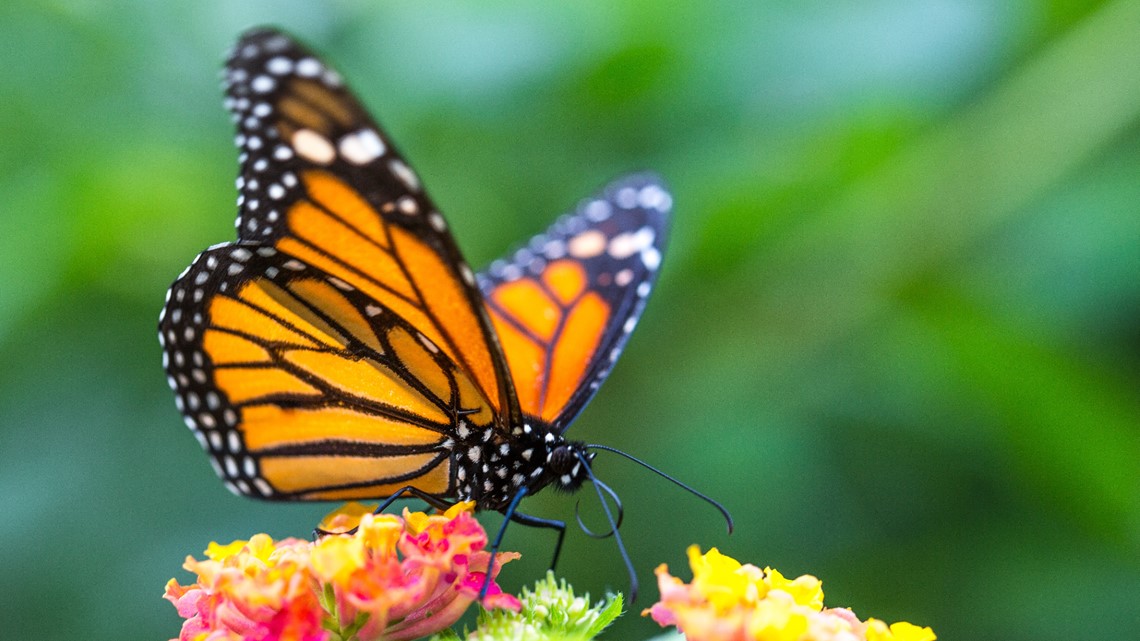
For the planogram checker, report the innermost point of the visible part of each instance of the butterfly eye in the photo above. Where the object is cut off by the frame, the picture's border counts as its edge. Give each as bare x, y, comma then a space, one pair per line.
562, 459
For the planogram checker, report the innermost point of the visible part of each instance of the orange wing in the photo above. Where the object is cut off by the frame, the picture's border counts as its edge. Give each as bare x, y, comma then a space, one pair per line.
302, 387
564, 305
320, 182
339, 347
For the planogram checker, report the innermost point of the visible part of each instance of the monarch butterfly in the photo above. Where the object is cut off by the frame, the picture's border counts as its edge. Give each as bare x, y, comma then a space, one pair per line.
342, 348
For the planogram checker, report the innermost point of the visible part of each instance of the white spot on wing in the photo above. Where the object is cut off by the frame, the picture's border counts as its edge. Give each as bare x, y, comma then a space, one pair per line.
340, 284
627, 244
361, 147
405, 174
428, 344
308, 68
279, 66
263, 84
554, 249
651, 257
626, 198
598, 210
313, 147
588, 244
262, 486
654, 197
407, 205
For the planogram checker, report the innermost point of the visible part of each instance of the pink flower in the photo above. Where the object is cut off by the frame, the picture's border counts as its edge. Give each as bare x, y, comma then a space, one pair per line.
393, 579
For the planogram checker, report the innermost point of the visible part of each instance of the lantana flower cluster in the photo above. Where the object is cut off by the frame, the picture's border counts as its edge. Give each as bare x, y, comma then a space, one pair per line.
393, 579
730, 601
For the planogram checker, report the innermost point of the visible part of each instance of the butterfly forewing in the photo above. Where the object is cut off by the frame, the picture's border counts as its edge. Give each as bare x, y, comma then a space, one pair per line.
564, 304
320, 182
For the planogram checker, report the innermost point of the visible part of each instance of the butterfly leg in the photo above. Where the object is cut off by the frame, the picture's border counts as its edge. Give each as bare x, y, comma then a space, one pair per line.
534, 521
430, 499
509, 514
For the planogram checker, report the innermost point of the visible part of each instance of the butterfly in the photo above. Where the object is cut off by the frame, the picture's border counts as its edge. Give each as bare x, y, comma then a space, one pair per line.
341, 348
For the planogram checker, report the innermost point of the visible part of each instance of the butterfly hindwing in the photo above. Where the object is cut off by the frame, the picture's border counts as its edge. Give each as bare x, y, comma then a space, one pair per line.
302, 387
321, 182
564, 305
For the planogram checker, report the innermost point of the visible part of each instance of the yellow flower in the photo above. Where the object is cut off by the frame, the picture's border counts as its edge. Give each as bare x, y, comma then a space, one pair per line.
723, 580
901, 631
345, 517
380, 533
806, 590
777, 618
259, 546
418, 522
730, 601
335, 558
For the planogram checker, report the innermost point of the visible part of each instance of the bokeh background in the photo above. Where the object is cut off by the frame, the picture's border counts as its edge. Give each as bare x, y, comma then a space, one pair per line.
896, 330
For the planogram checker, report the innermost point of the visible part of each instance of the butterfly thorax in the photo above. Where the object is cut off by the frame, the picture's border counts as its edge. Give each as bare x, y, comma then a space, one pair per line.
491, 472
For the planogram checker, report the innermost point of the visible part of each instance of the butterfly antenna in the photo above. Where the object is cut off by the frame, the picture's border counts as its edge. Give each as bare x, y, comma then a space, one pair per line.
705, 497
598, 485
620, 516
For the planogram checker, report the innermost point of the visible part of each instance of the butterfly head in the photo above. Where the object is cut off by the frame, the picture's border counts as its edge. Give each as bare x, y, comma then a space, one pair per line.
567, 464
549, 459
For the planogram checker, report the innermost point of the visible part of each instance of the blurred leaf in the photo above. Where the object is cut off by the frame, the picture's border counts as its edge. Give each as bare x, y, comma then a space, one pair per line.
35, 244
737, 220
1072, 426
634, 73
951, 188
130, 236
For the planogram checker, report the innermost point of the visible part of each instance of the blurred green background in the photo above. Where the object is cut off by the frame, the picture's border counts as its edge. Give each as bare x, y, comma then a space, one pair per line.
896, 331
